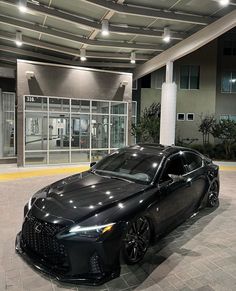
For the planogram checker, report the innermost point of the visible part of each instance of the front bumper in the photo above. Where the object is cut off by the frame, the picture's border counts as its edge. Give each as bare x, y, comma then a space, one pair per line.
75, 272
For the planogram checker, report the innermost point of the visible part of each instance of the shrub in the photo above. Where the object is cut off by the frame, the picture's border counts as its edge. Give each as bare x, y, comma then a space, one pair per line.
225, 130
148, 128
205, 127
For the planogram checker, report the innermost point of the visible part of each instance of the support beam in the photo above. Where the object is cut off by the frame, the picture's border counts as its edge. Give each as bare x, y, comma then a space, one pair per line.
168, 108
89, 24
20, 52
69, 51
188, 45
152, 12
78, 39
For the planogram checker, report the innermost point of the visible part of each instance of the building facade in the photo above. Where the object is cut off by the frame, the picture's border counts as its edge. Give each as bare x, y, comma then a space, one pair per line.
206, 85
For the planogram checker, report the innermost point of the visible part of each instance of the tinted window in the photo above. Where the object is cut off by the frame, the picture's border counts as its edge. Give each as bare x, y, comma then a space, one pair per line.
174, 166
134, 166
193, 161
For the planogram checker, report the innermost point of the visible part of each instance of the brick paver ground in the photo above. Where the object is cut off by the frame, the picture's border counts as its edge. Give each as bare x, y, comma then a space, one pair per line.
199, 255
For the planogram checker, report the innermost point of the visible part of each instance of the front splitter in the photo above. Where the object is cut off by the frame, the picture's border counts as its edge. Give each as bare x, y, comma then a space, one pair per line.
84, 279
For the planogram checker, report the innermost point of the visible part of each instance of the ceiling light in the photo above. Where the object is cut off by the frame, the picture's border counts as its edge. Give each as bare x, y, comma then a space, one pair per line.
105, 27
23, 5
83, 55
224, 2
133, 58
19, 38
166, 34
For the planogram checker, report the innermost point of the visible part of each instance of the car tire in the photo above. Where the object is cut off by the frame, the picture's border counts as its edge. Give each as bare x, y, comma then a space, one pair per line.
213, 195
136, 240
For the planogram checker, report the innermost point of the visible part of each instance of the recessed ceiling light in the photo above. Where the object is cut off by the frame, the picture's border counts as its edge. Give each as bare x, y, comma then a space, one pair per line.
166, 34
105, 27
19, 38
133, 58
224, 2
22, 5
83, 55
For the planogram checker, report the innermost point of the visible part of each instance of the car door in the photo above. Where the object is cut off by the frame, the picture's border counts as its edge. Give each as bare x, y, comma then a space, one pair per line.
196, 174
174, 202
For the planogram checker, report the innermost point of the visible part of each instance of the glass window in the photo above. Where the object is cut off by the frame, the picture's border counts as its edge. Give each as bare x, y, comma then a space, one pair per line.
225, 82
174, 166
36, 125
36, 103
36, 158
118, 108
158, 78
118, 131
184, 77
194, 77
59, 131
99, 131
228, 82
233, 82
100, 107
7, 124
97, 155
229, 48
189, 77
58, 157
80, 156
134, 108
59, 104
193, 161
80, 131
80, 106
130, 165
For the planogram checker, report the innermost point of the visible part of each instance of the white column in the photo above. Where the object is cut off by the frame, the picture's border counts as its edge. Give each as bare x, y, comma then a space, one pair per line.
168, 108
1, 125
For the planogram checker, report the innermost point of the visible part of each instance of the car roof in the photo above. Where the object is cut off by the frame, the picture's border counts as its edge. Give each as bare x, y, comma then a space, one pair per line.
158, 149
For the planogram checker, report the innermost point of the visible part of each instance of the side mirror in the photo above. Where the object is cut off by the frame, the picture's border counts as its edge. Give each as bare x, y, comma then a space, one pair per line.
92, 164
176, 178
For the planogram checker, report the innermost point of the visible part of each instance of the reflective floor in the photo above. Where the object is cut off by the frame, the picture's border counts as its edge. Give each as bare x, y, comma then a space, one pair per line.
198, 255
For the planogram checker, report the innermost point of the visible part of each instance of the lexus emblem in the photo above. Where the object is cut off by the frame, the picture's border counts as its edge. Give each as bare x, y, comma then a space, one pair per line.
38, 228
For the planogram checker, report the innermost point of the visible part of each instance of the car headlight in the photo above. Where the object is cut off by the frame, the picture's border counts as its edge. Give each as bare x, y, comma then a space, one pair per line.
91, 231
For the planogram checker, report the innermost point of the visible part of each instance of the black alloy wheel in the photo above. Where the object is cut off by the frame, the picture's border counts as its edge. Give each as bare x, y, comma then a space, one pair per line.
136, 241
213, 195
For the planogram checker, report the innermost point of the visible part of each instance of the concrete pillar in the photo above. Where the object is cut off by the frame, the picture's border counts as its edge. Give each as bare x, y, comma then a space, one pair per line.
1, 125
168, 108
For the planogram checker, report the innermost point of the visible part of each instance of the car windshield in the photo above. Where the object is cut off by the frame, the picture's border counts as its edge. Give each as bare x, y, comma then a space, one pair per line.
132, 166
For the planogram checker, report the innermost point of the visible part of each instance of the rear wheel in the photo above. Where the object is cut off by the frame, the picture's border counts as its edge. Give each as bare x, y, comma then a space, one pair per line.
136, 241
213, 195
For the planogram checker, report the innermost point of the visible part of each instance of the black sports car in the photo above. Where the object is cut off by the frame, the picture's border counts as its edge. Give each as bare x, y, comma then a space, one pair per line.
77, 228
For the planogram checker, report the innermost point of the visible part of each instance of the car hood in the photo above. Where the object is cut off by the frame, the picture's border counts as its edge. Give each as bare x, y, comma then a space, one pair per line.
80, 196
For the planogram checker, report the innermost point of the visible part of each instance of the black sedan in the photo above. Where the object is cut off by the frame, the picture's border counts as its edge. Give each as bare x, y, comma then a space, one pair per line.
78, 228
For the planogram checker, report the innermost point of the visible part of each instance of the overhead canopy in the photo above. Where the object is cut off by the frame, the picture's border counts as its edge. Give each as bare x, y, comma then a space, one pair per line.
56, 30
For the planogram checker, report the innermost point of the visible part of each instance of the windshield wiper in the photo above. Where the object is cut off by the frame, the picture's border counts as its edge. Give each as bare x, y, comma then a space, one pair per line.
107, 175
120, 178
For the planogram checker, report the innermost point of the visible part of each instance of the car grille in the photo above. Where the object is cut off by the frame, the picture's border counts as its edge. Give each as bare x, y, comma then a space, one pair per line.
39, 237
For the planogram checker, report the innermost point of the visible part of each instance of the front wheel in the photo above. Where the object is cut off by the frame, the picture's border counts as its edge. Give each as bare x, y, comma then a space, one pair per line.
136, 240
213, 195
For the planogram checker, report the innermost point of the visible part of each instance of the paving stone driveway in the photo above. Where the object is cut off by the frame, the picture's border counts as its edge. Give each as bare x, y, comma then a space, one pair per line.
198, 255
